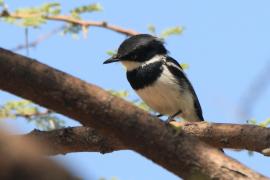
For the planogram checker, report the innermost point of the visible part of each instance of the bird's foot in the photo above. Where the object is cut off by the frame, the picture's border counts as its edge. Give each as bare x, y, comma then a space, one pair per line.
171, 118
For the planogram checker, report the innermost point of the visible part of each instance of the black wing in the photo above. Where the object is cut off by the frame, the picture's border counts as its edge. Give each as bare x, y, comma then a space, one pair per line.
173, 62
175, 68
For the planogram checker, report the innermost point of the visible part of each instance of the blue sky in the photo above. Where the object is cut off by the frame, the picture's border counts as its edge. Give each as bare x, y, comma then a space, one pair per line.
225, 43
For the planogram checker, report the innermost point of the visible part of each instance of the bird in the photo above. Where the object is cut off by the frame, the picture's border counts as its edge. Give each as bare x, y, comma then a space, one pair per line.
157, 78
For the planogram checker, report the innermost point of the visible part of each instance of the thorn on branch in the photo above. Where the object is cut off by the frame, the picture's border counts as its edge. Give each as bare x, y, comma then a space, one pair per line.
104, 147
104, 24
4, 13
35, 131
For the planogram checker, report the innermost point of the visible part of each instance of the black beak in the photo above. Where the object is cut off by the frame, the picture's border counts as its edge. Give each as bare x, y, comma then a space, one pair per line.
111, 60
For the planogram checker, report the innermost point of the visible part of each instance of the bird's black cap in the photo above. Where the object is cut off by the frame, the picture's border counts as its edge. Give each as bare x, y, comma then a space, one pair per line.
138, 48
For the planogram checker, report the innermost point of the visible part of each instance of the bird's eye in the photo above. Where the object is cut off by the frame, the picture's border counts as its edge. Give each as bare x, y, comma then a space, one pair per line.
131, 56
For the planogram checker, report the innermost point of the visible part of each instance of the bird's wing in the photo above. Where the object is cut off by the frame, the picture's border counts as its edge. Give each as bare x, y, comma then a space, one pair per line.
172, 62
175, 68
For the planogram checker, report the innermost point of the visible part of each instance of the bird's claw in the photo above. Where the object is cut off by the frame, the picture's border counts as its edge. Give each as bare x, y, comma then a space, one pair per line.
159, 115
170, 119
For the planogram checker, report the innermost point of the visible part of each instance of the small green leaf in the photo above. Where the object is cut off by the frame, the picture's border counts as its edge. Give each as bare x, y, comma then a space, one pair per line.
51, 8
265, 123
184, 66
111, 52
72, 29
43, 119
75, 15
55, 12
86, 9
29, 11
171, 31
33, 22
123, 93
10, 20
152, 29
252, 121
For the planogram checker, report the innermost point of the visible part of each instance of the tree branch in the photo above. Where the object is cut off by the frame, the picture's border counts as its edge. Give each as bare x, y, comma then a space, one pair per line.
86, 139
69, 19
75, 139
235, 136
176, 151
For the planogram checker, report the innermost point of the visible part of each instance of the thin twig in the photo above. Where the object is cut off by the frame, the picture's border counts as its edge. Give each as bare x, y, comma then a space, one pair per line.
256, 89
26, 41
35, 114
40, 39
69, 19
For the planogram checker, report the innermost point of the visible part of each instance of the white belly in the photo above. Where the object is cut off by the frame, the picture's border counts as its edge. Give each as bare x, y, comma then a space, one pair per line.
166, 97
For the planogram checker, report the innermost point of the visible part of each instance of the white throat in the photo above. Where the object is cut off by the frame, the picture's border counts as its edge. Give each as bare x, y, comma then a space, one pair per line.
131, 65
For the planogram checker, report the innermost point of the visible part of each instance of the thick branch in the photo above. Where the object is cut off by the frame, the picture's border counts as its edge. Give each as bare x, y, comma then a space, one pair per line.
75, 139
69, 19
86, 139
235, 136
174, 150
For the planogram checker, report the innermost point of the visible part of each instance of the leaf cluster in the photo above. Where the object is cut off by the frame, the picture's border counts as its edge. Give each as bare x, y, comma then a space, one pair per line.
76, 12
176, 30
264, 123
42, 118
36, 16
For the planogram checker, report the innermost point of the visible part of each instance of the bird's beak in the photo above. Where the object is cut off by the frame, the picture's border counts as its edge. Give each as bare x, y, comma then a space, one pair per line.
112, 60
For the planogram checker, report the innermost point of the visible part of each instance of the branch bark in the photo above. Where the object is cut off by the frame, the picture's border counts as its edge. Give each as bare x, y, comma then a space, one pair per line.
69, 19
75, 139
87, 139
176, 151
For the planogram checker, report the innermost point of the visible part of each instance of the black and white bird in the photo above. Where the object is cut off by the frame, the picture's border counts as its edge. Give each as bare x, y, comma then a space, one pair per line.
157, 78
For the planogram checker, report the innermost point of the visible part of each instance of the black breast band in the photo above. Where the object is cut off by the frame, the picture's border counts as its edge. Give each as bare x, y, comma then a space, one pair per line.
145, 75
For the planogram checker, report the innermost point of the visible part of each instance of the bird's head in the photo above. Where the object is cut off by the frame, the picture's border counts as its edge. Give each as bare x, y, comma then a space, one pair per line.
137, 50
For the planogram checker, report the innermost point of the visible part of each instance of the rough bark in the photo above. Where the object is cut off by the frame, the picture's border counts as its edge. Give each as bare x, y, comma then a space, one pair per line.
181, 154
86, 139
75, 139
235, 136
